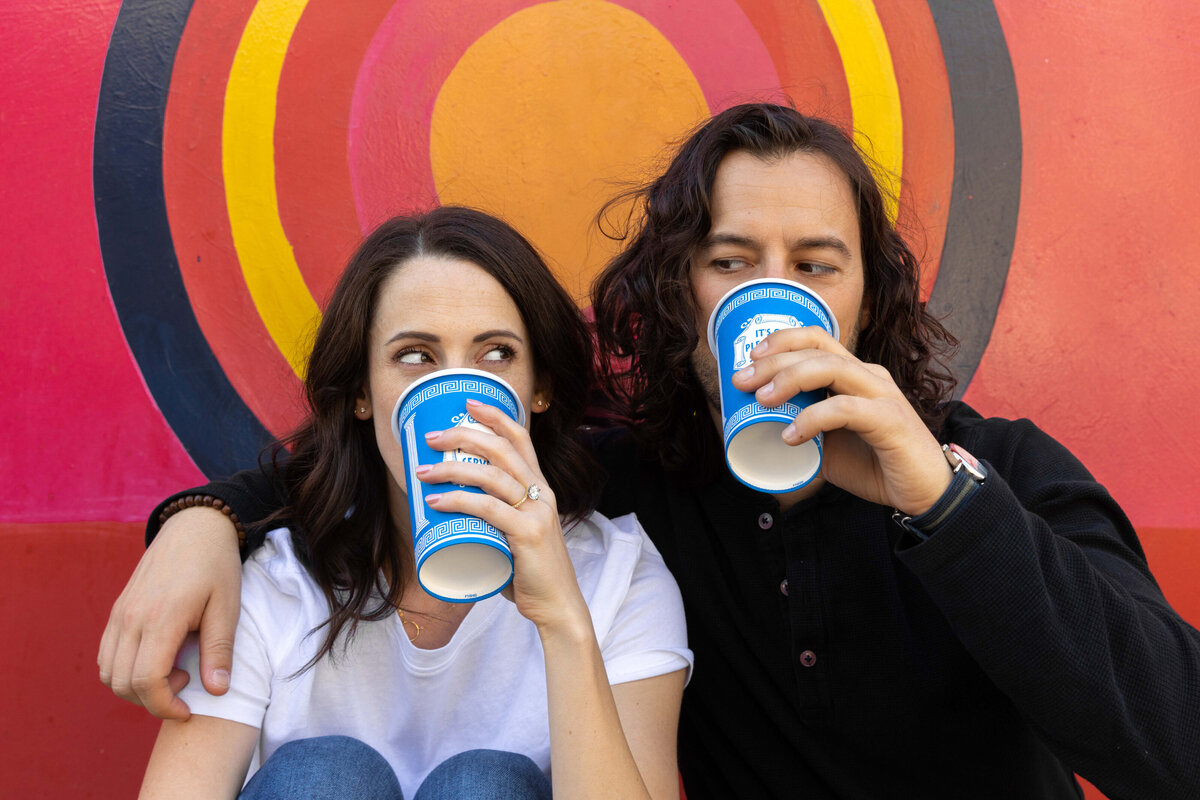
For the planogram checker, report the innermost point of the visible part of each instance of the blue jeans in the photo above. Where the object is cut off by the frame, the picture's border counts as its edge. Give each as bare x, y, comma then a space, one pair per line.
338, 767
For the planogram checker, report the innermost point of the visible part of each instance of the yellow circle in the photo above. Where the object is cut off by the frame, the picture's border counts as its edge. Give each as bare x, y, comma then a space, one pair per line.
552, 112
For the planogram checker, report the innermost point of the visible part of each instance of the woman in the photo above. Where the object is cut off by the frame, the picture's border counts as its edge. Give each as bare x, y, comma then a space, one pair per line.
348, 678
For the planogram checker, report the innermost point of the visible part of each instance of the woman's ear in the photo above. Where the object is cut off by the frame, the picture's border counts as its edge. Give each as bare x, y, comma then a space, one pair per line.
362, 404
542, 395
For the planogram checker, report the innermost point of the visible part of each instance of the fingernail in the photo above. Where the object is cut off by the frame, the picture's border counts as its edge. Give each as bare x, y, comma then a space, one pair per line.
433, 499
790, 431
766, 388
429, 437
747, 372
474, 403
421, 470
221, 678
760, 348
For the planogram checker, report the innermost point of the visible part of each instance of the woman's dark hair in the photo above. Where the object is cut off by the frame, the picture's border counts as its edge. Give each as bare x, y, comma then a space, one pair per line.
334, 466
645, 314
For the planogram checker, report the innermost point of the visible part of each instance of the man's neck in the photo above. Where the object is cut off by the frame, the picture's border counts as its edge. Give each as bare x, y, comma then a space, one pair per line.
786, 501
789, 499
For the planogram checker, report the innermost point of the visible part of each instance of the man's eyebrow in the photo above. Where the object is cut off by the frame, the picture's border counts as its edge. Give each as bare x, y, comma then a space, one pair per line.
735, 239
822, 243
803, 243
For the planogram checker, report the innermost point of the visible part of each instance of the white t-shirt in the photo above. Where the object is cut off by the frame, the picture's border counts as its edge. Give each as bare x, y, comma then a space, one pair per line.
486, 688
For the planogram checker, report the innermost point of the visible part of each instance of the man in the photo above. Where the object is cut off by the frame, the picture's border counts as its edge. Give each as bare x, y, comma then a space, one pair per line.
922, 621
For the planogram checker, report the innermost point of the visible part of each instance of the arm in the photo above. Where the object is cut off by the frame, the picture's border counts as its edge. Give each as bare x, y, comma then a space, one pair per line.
1043, 580
592, 754
1039, 573
607, 741
188, 579
203, 757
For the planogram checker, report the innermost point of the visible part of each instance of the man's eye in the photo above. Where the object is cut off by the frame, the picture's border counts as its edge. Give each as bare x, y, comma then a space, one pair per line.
729, 264
812, 268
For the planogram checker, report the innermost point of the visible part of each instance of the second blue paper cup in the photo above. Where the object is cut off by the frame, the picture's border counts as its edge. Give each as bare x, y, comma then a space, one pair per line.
754, 451
459, 558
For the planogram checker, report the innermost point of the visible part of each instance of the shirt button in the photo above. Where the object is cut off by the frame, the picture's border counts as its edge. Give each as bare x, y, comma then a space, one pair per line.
808, 658
765, 521
783, 587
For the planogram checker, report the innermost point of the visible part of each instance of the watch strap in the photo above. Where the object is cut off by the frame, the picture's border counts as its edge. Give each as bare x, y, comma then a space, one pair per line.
969, 474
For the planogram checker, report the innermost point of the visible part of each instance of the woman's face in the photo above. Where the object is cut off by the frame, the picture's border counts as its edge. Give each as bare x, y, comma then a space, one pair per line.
433, 313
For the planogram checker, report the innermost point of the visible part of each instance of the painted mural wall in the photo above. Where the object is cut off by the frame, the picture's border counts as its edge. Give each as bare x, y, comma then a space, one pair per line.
181, 182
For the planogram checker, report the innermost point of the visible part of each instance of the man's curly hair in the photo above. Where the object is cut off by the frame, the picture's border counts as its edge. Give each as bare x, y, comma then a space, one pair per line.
643, 303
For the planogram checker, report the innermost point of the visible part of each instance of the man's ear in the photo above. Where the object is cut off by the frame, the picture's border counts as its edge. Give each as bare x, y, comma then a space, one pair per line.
864, 315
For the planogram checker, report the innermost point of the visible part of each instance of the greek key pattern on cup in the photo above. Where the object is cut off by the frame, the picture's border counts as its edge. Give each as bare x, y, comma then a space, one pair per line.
459, 385
774, 293
454, 527
410, 444
753, 410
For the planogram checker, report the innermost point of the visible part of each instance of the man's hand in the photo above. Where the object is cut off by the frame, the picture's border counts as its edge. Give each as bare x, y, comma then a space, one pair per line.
189, 579
876, 445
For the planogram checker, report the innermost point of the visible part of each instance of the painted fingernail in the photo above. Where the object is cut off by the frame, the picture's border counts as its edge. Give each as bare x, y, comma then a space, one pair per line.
429, 437
433, 499
421, 470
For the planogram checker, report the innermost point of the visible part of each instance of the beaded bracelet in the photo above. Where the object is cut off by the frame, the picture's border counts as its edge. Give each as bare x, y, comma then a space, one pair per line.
191, 500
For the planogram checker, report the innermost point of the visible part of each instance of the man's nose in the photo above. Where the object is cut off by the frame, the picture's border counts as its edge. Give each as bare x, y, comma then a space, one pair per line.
776, 267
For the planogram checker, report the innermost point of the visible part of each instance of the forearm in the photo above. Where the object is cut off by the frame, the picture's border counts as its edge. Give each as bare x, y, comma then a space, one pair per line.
248, 498
1055, 604
204, 757
589, 754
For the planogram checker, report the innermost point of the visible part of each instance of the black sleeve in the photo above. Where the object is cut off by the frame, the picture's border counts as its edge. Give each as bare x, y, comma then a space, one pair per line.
1042, 578
253, 494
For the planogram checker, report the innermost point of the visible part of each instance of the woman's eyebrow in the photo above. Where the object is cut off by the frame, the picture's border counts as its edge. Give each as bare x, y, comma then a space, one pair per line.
422, 335
498, 332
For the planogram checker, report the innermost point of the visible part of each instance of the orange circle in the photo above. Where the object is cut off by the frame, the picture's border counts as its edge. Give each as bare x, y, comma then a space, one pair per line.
546, 115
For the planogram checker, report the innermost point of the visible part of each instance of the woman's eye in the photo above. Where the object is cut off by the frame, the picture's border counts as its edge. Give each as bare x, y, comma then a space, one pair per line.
412, 357
498, 353
729, 264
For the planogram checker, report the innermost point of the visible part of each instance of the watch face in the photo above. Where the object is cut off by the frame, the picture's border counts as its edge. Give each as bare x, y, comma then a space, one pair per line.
961, 459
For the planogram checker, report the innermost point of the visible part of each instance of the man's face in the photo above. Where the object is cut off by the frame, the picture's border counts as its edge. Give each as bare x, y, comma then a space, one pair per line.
792, 218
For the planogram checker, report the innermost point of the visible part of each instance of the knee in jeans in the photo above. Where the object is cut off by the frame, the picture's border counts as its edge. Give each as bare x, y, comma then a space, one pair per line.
324, 767
486, 773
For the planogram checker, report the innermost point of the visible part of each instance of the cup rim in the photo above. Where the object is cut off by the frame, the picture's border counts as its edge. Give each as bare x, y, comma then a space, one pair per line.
441, 373
712, 317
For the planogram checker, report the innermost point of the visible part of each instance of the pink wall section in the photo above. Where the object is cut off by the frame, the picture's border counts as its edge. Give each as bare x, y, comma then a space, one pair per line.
1094, 339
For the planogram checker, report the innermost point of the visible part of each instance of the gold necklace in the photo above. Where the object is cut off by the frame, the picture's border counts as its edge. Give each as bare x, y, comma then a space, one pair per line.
404, 621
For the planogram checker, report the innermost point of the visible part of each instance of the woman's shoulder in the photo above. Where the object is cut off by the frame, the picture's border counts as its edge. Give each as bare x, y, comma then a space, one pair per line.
274, 574
607, 550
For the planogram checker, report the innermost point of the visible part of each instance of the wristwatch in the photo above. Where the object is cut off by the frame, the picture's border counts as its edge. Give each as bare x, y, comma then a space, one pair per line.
969, 475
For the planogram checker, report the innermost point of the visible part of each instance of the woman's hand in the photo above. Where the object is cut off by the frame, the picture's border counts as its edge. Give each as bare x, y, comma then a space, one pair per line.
544, 585
876, 445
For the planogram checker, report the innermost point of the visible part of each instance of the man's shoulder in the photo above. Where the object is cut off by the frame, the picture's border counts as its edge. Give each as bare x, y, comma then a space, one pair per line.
1009, 445
629, 473
609, 444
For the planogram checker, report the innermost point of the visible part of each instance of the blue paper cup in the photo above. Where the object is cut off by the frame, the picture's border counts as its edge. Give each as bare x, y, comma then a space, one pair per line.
754, 451
459, 558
